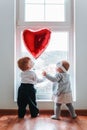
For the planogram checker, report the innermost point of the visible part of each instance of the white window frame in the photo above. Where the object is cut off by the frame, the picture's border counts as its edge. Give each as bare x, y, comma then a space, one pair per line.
20, 15
68, 25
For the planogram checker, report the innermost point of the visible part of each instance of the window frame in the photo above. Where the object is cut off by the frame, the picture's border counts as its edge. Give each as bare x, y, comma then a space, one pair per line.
20, 15
53, 26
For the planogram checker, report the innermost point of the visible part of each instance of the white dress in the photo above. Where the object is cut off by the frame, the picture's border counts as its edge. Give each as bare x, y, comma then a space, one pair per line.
63, 98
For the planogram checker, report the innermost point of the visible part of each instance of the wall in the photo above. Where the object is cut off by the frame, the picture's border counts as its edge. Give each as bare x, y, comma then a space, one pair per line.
7, 33
6, 53
81, 53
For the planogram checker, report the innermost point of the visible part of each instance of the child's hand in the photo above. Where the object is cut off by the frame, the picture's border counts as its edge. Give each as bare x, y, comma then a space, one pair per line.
44, 73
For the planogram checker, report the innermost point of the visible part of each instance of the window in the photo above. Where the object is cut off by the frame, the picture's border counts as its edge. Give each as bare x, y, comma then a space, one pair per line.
56, 15
42, 9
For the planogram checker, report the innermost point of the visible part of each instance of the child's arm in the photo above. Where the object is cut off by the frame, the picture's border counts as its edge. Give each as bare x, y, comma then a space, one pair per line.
40, 80
49, 77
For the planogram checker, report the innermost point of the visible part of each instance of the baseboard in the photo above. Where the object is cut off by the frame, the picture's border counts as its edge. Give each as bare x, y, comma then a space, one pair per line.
82, 112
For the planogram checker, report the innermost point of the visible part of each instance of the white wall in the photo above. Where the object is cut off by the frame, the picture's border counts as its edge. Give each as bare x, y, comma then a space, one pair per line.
81, 53
7, 56
6, 53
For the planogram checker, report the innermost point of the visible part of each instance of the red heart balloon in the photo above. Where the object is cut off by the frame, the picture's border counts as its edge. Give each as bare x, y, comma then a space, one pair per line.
36, 41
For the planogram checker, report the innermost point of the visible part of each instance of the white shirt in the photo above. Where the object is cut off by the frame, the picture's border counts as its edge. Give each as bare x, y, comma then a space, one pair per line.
30, 77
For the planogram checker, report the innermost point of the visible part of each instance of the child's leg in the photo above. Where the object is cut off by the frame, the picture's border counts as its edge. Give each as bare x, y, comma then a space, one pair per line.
21, 111
71, 110
32, 103
33, 107
57, 110
21, 102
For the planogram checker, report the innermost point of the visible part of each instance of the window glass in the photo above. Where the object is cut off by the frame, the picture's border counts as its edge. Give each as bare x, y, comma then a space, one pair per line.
55, 15
58, 16
34, 1
44, 10
45, 1
55, 1
34, 12
57, 50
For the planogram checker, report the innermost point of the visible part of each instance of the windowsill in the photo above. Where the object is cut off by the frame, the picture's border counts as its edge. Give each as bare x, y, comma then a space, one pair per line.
38, 101
44, 100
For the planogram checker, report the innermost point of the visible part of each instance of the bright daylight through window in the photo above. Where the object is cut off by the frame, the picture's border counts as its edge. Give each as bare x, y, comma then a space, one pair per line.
57, 16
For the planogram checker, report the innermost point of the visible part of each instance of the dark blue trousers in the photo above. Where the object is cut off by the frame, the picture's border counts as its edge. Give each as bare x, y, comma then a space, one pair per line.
27, 96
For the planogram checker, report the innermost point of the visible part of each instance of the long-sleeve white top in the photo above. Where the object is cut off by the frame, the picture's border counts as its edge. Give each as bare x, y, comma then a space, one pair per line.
29, 76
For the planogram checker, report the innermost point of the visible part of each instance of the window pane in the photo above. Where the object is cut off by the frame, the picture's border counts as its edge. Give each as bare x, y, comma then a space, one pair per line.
55, 1
58, 42
47, 11
55, 13
45, 1
34, 1
34, 12
56, 51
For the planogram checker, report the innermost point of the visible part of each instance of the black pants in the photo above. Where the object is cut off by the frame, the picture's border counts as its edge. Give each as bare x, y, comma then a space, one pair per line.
27, 96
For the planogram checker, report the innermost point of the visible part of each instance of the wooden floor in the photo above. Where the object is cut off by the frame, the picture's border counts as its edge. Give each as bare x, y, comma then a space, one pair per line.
43, 122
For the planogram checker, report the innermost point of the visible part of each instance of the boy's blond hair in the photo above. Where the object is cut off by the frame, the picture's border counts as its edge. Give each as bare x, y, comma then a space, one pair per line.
23, 63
